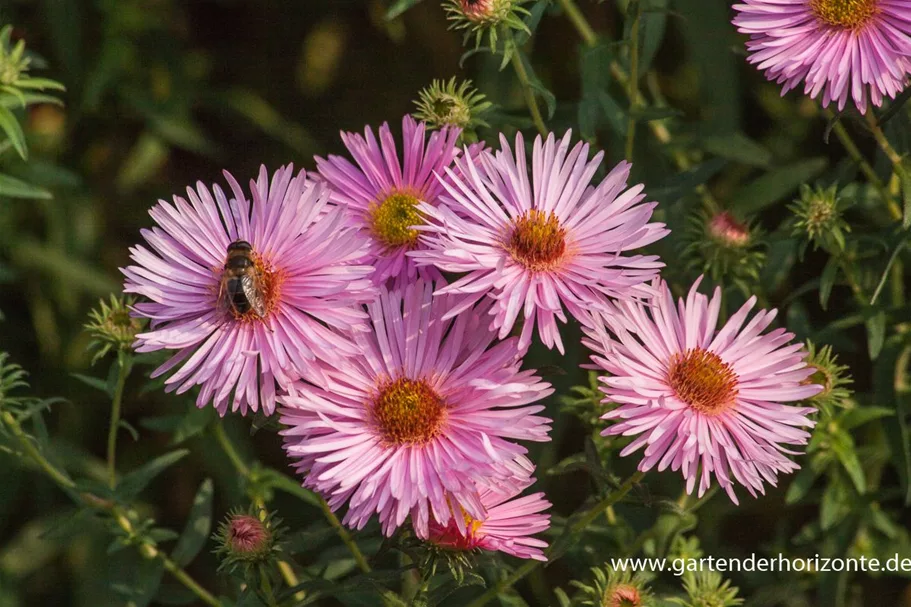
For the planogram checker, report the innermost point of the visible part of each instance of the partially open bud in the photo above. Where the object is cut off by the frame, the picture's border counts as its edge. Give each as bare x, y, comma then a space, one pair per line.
443, 104
112, 327
817, 218
613, 588
707, 588
830, 375
721, 245
486, 17
247, 539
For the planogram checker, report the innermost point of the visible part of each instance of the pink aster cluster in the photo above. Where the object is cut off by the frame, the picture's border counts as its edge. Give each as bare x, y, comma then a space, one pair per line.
403, 396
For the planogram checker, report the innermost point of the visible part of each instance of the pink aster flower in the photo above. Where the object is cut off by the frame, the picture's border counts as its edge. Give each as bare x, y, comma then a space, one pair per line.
540, 244
429, 409
382, 192
697, 398
509, 523
840, 48
264, 317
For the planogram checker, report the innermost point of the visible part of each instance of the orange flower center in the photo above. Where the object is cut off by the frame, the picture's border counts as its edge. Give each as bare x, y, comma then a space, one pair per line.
844, 13
703, 381
537, 240
392, 219
408, 412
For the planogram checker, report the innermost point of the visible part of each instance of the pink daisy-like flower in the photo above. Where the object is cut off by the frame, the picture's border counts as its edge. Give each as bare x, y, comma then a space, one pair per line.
382, 193
840, 48
507, 526
422, 415
260, 313
535, 247
696, 397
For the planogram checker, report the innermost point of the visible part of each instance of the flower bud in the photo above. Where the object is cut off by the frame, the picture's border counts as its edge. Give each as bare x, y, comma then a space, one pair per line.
112, 327
13, 63
246, 540
721, 245
443, 104
708, 589
486, 17
817, 218
613, 588
830, 375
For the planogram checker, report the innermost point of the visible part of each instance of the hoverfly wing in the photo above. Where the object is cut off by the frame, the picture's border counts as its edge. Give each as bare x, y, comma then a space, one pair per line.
252, 286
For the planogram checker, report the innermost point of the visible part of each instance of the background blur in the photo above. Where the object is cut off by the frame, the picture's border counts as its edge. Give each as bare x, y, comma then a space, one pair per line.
161, 93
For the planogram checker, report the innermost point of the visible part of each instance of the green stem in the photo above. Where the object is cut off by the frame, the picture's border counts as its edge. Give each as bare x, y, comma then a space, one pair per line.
192, 585
244, 470
579, 22
29, 448
530, 565
267, 588
894, 157
530, 99
123, 371
633, 90
854, 152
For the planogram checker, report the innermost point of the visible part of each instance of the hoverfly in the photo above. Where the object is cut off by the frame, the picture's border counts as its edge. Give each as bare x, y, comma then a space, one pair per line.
241, 286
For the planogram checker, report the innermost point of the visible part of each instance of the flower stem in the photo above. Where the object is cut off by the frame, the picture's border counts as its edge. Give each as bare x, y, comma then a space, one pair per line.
854, 152
225, 442
579, 22
522, 75
29, 448
894, 157
192, 585
633, 89
124, 365
530, 565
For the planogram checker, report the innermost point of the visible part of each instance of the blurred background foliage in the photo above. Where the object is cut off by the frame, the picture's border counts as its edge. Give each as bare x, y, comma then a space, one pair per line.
161, 93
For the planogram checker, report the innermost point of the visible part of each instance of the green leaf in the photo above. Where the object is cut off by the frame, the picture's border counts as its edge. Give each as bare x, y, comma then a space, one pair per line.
737, 147
10, 126
653, 21
890, 385
776, 185
684, 183
133, 483
905, 175
859, 416
885, 276
537, 86
876, 333
895, 106
845, 450
199, 525
399, 7
277, 480
801, 484
93, 382
827, 281
27, 99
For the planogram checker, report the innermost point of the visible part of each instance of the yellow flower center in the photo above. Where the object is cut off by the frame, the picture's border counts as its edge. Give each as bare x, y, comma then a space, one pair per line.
408, 412
703, 381
537, 240
844, 13
391, 219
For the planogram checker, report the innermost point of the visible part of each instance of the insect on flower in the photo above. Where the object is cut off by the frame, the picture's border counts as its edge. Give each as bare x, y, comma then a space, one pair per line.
241, 290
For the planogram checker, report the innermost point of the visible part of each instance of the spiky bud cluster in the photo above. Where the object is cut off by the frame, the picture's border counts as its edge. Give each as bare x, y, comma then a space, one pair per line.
13, 62
613, 588
112, 327
818, 218
708, 589
247, 539
445, 104
723, 246
494, 19
833, 378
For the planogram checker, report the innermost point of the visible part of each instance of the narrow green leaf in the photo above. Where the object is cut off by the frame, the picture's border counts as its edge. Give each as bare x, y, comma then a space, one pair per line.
683, 184
653, 21
92, 382
801, 484
277, 480
40, 84
549, 99
616, 115
827, 281
861, 415
399, 7
846, 452
133, 483
876, 333
776, 185
891, 385
10, 126
895, 106
199, 524
737, 147
885, 277
27, 99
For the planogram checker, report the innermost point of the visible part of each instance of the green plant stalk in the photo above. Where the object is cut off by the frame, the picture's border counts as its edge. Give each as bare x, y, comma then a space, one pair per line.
579, 22
530, 565
633, 89
894, 157
67, 484
854, 152
123, 371
530, 99
222, 437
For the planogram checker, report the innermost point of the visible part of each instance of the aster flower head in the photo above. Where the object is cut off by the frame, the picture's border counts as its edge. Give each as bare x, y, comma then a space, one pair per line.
508, 525
382, 192
700, 400
297, 256
426, 412
539, 242
843, 49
